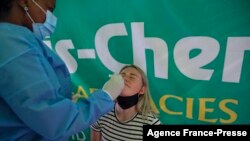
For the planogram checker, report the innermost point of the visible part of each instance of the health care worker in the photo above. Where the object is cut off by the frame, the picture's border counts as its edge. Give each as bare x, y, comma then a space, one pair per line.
35, 93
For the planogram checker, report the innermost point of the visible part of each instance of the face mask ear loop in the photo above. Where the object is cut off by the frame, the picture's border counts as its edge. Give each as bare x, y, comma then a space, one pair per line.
39, 6
26, 11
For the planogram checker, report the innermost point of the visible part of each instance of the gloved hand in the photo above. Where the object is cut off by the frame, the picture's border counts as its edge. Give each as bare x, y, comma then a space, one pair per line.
114, 85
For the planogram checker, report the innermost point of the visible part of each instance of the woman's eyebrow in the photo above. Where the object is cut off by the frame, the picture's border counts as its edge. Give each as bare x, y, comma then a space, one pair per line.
131, 74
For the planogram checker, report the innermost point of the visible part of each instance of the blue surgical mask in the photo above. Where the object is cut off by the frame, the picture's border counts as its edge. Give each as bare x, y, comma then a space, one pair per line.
45, 29
42, 30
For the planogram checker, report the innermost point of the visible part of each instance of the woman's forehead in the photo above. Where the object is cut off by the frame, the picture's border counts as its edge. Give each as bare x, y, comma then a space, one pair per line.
131, 70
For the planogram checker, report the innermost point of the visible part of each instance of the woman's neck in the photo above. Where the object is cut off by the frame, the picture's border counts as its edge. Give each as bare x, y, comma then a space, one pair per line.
124, 115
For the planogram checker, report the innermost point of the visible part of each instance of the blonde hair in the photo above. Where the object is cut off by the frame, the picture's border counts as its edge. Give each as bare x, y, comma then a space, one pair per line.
143, 105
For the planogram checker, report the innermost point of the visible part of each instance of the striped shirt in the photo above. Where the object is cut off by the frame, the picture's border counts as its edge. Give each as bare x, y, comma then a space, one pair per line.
113, 130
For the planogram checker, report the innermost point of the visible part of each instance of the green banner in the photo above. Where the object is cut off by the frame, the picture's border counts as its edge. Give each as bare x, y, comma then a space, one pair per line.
196, 53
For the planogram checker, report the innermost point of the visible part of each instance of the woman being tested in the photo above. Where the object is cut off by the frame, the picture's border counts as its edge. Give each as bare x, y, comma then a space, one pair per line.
132, 110
35, 95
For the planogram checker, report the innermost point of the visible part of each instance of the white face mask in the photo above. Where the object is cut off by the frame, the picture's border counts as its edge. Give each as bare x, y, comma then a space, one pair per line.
42, 30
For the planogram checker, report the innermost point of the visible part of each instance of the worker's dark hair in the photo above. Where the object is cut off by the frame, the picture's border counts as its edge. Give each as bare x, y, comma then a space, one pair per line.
5, 6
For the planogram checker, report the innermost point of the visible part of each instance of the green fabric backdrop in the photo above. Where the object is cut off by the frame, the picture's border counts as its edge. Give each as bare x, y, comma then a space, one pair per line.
196, 53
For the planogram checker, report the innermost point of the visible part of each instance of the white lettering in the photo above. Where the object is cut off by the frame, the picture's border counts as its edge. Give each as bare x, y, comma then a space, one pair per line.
191, 54
103, 35
236, 47
209, 49
62, 48
157, 45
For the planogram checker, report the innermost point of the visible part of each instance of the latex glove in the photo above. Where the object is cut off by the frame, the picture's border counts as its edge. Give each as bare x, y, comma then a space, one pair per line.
114, 86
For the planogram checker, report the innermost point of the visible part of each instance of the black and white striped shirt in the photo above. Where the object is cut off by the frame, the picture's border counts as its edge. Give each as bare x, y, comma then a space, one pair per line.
113, 130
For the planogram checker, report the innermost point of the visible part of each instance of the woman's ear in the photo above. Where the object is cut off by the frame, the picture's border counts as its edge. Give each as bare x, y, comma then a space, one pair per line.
142, 91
